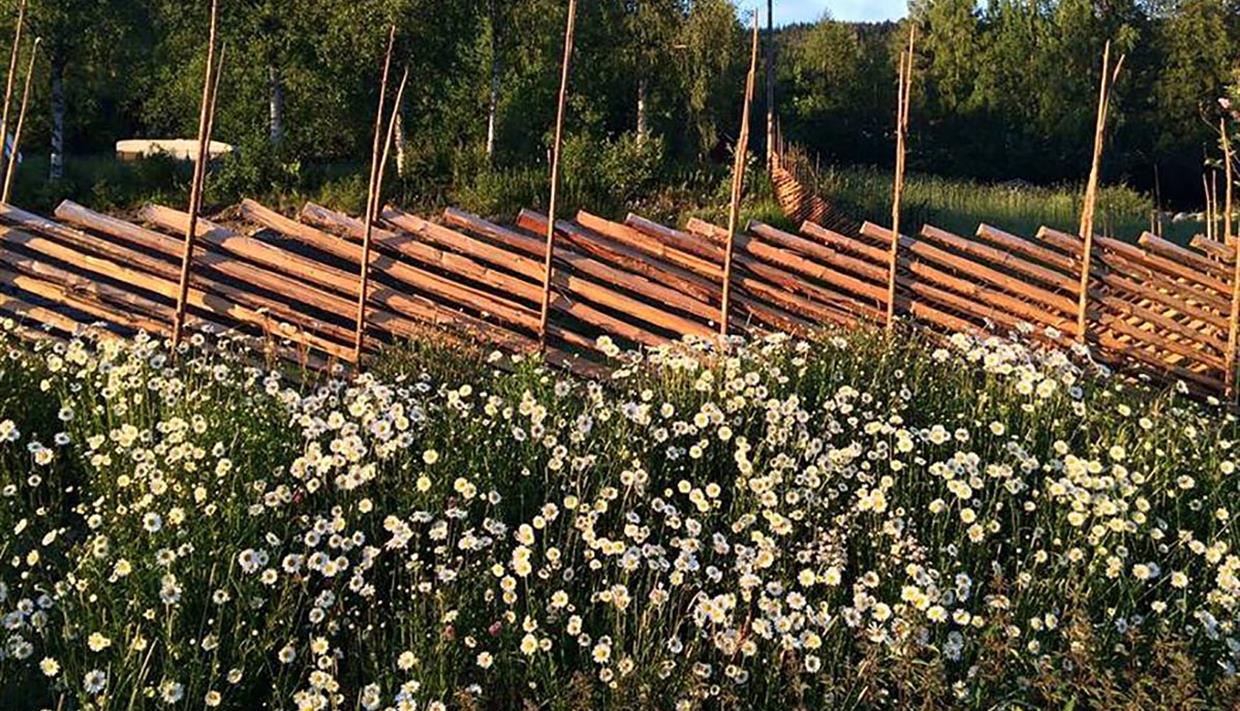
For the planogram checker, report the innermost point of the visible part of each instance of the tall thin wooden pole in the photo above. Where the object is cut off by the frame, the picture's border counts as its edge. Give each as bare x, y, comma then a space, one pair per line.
21, 121
12, 77
376, 205
1214, 200
738, 181
200, 168
569, 32
1089, 209
389, 142
215, 95
770, 83
1228, 175
903, 103
363, 291
1205, 189
1234, 321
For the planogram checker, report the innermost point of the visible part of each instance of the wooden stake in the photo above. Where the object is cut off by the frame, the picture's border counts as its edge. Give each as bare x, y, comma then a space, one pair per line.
1205, 190
12, 77
1091, 188
738, 181
21, 121
1214, 200
569, 32
215, 95
389, 142
371, 201
200, 168
903, 103
372, 217
770, 84
1234, 321
1228, 224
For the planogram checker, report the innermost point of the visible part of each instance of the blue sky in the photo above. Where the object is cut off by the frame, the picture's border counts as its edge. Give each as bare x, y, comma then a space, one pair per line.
848, 10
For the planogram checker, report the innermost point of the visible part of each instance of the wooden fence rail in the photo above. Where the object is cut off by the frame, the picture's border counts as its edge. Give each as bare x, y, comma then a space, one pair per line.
1155, 307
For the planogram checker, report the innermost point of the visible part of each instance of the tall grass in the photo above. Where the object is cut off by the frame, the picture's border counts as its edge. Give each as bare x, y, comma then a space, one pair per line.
959, 205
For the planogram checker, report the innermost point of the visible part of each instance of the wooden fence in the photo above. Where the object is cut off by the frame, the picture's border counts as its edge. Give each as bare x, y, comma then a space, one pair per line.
1152, 307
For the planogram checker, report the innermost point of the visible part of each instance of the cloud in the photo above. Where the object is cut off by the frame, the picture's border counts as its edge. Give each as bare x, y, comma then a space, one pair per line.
787, 11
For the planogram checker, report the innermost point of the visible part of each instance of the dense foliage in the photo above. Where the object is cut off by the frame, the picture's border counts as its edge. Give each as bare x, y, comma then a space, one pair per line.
1004, 91
845, 523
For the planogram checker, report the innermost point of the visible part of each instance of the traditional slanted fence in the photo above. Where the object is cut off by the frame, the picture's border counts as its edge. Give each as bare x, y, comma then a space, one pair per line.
316, 288
1153, 306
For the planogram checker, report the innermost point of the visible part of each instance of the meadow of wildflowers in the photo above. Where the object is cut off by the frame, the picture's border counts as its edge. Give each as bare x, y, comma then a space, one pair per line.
844, 523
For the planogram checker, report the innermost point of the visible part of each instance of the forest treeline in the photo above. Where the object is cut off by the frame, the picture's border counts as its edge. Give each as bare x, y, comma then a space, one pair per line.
1004, 90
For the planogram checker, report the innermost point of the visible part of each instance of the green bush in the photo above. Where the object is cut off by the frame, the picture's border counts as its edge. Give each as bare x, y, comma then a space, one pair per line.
254, 169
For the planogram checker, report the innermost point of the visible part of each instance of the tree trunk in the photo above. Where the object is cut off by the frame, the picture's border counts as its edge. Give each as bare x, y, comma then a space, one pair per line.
493, 101
643, 126
399, 140
276, 84
57, 170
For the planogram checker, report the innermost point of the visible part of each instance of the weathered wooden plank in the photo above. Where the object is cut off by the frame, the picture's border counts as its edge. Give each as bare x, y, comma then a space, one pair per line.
1185, 256
409, 314
1213, 248
24, 312
663, 243
1056, 258
606, 274
1004, 260
458, 294
819, 252
163, 287
1018, 309
169, 246
637, 260
976, 270
788, 269
1135, 254
530, 269
710, 249
872, 254
124, 309
1165, 296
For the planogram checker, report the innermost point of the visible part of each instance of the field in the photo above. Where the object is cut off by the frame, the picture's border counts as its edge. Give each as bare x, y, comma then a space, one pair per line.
854, 522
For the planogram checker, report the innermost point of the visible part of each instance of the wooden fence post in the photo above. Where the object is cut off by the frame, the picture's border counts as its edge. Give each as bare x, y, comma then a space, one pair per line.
215, 95
205, 120
21, 121
1214, 201
738, 181
1208, 215
389, 142
1229, 378
1091, 189
372, 216
364, 278
569, 32
903, 103
770, 84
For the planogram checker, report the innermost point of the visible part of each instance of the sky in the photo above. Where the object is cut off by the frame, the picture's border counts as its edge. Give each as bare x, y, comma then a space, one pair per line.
848, 10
